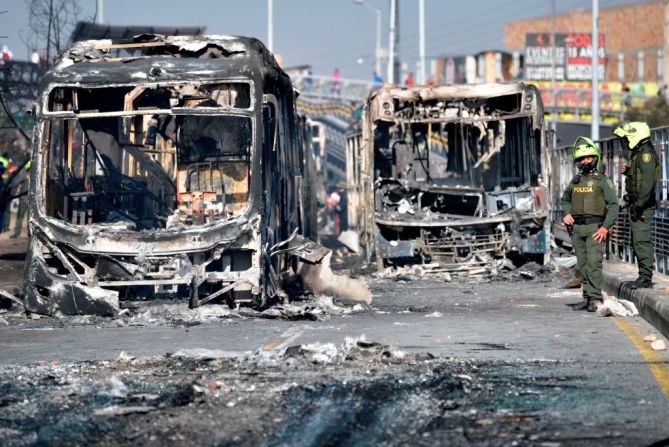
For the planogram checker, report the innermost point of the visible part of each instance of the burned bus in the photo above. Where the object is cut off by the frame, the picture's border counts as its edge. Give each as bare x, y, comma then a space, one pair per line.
164, 166
454, 176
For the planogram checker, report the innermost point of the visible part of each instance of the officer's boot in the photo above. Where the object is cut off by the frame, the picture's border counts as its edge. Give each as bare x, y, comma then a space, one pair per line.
642, 283
583, 305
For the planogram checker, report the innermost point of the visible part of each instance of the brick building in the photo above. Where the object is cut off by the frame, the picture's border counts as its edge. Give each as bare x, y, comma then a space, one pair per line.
635, 38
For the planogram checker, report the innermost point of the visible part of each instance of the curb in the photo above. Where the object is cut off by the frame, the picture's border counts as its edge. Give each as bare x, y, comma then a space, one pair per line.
653, 304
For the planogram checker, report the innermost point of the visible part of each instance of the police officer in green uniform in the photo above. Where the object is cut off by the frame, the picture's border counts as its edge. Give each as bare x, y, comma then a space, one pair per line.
590, 205
642, 174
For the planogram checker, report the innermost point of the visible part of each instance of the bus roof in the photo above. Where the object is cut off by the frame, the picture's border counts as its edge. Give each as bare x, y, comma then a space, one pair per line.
152, 57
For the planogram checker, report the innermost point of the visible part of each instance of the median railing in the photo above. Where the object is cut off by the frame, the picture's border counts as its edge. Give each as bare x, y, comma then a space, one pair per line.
327, 88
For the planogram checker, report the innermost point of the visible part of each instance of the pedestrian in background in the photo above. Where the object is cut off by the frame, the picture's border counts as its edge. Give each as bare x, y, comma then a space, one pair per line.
336, 82
35, 57
591, 207
6, 55
378, 80
409, 80
642, 174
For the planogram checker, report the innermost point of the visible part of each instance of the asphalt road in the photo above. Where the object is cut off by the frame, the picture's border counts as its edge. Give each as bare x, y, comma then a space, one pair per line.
524, 320
514, 330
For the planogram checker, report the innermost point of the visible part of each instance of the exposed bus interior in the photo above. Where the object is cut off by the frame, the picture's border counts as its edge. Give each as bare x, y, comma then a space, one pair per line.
457, 180
147, 157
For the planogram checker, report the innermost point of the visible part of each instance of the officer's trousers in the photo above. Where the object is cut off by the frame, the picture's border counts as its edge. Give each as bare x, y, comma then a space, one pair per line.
643, 247
589, 256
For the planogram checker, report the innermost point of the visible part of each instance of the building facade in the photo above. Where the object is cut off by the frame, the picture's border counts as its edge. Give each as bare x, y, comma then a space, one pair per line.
635, 38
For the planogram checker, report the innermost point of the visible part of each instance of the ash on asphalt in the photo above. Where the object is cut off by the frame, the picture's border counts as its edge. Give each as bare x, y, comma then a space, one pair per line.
172, 313
305, 307
358, 393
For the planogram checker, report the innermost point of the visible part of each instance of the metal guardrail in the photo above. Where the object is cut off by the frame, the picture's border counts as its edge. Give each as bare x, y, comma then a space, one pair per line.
613, 156
326, 88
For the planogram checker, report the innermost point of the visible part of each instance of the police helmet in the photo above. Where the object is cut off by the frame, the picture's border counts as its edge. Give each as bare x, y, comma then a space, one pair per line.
585, 147
634, 132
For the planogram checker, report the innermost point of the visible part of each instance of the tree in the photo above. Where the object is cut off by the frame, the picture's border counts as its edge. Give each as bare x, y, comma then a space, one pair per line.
51, 22
655, 112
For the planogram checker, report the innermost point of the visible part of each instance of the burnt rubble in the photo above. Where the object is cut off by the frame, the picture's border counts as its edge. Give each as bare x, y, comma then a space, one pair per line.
358, 392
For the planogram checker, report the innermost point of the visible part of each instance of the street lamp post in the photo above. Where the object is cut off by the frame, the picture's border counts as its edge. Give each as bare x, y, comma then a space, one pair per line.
270, 25
377, 51
391, 41
594, 130
421, 45
553, 96
99, 16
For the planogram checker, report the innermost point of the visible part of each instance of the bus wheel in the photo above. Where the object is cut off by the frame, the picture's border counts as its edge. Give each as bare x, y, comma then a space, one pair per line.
259, 300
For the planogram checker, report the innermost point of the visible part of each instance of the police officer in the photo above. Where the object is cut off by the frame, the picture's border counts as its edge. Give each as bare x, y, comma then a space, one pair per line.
642, 174
590, 205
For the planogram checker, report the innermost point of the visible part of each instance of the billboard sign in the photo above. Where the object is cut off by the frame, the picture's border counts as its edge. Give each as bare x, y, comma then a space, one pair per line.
571, 53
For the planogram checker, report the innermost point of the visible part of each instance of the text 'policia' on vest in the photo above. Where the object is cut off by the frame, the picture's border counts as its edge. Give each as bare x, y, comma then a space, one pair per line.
590, 207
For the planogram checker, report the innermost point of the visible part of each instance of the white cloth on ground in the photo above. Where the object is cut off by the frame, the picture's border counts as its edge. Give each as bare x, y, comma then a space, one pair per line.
617, 307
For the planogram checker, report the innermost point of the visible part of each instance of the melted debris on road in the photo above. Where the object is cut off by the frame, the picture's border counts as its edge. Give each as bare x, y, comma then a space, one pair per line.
305, 306
319, 394
173, 313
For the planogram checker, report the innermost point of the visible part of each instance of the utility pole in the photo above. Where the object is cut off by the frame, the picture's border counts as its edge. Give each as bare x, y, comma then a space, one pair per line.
421, 45
665, 47
99, 17
270, 25
594, 130
391, 42
377, 53
553, 51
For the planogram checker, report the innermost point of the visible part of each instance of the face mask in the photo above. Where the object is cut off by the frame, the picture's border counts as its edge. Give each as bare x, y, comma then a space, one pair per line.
587, 168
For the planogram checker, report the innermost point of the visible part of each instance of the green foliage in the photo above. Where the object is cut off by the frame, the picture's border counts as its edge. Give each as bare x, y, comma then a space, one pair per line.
655, 112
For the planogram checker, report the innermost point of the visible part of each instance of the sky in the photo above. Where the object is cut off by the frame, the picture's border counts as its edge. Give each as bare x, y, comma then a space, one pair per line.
323, 33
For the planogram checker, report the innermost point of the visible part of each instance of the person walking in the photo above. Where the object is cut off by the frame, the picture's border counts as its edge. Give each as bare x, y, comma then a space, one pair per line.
642, 174
591, 207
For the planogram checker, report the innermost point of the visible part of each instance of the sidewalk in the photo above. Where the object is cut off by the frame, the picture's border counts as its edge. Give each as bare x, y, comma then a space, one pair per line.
653, 304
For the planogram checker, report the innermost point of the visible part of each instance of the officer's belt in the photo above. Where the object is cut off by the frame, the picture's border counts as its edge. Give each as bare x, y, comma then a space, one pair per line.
587, 220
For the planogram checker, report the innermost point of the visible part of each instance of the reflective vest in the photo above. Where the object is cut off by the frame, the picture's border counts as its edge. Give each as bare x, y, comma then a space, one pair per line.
587, 198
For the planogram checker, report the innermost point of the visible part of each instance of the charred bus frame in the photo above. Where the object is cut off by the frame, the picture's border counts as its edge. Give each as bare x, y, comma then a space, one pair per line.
455, 175
164, 166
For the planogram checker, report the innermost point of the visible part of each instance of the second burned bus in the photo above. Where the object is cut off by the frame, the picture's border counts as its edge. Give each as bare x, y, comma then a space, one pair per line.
455, 175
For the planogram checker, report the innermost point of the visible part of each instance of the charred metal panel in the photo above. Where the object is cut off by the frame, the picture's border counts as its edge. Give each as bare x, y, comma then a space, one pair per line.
165, 166
451, 174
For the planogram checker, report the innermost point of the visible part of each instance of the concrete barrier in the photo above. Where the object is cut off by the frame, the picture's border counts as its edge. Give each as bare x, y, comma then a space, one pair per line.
653, 304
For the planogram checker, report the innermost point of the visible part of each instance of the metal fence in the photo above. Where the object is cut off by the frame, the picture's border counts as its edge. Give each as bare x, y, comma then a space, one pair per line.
326, 88
613, 156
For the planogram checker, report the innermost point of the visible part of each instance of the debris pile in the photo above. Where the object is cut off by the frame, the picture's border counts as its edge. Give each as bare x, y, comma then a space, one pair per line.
151, 314
359, 392
477, 270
